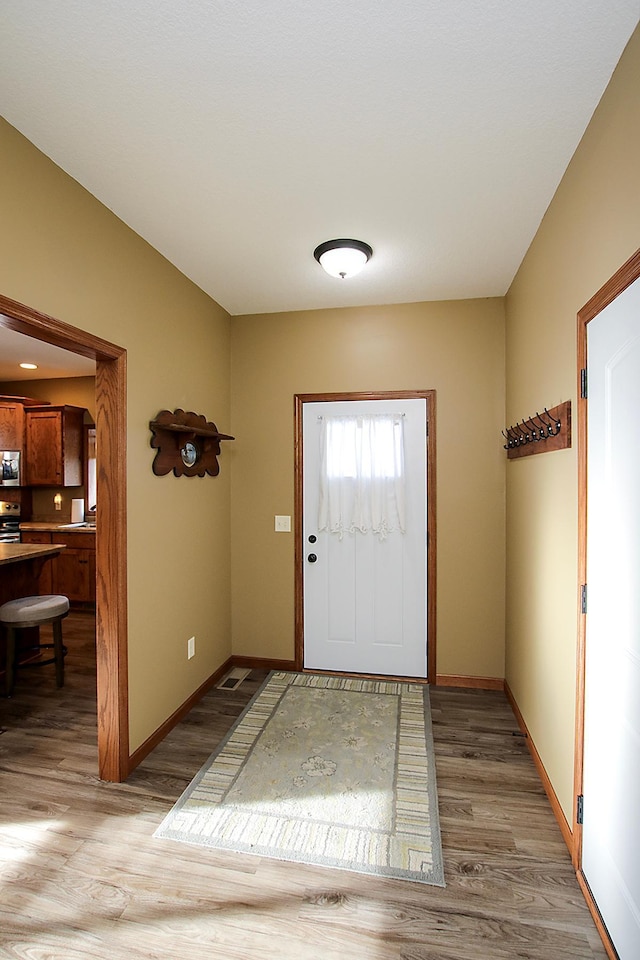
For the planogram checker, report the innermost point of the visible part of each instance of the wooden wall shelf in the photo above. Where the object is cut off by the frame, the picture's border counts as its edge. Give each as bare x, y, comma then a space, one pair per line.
186, 443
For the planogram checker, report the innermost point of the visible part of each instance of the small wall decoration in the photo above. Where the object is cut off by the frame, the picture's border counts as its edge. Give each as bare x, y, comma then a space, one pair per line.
186, 443
546, 431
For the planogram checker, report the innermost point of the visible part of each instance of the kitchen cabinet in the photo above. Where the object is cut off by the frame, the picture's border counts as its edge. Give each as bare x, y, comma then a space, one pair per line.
45, 582
53, 446
73, 572
11, 425
12, 421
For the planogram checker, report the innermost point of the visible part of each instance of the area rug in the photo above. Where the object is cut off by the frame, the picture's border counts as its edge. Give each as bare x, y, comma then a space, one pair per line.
323, 770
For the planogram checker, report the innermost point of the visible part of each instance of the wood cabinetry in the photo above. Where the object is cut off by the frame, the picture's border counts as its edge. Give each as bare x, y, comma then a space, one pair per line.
11, 425
73, 572
45, 582
12, 419
53, 446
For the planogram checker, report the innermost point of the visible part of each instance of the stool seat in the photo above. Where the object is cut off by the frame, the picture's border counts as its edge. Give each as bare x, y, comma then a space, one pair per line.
27, 612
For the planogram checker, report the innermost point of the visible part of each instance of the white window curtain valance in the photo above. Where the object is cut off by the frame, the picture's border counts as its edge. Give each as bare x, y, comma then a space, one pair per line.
362, 475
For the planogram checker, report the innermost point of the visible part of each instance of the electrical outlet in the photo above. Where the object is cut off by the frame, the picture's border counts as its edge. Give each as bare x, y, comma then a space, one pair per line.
191, 647
283, 524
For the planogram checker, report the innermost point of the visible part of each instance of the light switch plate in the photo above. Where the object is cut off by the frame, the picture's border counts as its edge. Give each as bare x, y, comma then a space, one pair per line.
283, 524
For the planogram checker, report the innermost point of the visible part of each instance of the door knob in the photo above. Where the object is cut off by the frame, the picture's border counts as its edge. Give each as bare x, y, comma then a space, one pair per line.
312, 558
312, 538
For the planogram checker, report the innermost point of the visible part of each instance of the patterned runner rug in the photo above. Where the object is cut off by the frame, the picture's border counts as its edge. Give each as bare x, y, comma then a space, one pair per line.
323, 770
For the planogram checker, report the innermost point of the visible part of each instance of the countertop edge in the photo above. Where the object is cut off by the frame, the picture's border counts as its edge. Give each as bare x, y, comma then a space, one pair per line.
35, 527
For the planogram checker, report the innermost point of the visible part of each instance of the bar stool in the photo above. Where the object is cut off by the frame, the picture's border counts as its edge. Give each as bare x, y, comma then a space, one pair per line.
34, 612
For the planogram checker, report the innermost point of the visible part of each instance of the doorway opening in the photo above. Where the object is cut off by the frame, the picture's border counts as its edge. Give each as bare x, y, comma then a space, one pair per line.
429, 582
111, 556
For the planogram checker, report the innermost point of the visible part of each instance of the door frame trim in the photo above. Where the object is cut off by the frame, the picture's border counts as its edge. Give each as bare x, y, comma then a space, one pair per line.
628, 273
430, 396
111, 523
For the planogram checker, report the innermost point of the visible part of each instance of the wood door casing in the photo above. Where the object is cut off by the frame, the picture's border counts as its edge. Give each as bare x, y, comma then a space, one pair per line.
628, 273
111, 528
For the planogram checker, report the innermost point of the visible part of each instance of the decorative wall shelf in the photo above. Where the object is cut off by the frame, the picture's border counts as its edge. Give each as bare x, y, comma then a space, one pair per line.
186, 443
546, 431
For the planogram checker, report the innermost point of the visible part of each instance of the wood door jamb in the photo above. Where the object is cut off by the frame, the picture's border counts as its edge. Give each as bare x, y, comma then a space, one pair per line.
111, 523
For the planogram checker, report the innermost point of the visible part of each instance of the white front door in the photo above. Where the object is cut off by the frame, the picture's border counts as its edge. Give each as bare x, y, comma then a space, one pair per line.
365, 598
611, 783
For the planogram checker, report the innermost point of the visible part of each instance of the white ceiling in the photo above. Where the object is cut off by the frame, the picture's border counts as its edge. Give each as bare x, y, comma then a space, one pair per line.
52, 362
236, 135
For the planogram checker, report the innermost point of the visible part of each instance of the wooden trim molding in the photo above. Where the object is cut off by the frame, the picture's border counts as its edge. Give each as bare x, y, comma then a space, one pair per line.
111, 528
111, 570
623, 278
430, 396
628, 273
558, 812
597, 917
471, 683
262, 663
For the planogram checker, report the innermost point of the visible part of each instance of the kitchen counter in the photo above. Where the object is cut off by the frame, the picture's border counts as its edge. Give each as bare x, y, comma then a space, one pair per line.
22, 564
43, 527
21, 552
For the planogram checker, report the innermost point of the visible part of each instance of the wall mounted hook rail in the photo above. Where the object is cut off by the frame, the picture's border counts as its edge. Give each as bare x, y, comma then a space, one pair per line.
542, 433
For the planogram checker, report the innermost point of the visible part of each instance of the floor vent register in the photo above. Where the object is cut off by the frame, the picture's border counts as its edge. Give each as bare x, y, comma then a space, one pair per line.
233, 679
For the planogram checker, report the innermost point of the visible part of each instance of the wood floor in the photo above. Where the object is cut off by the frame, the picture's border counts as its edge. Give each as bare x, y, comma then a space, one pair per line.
82, 876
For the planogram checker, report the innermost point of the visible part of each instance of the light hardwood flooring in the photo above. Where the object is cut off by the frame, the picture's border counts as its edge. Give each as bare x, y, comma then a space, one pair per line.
82, 876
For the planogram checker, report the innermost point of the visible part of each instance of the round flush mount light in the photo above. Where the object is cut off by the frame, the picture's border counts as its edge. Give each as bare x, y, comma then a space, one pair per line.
343, 258
29, 366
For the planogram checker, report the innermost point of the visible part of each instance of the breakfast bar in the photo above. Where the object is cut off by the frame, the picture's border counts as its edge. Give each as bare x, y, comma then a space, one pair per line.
20, 568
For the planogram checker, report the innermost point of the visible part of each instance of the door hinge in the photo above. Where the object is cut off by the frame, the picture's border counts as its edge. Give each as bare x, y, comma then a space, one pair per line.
583, 598
583, 383
580, 809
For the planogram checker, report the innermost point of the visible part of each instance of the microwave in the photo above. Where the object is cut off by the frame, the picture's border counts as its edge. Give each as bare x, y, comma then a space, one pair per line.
10, 472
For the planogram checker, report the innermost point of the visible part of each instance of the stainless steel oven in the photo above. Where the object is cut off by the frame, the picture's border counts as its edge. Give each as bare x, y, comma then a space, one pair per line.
10, 468
9, 522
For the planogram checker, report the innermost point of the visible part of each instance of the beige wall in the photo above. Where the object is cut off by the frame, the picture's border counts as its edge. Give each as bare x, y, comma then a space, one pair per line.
76, 391
456, 348
65, 254
591, 228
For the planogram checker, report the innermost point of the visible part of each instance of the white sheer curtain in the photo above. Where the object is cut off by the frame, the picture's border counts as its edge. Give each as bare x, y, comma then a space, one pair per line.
362, 475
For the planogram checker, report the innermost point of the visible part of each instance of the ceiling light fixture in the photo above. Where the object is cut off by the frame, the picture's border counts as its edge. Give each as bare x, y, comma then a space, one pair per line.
343, 258
29, 366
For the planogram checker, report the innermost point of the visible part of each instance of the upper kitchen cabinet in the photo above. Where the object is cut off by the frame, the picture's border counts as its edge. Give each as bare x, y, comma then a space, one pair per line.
11, 425
12, 422
53, 446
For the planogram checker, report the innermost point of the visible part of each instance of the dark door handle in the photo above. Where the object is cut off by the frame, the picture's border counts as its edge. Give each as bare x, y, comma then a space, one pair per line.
312, 558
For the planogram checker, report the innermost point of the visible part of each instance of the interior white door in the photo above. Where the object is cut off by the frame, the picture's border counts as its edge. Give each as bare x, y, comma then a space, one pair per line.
365, 598
611, 786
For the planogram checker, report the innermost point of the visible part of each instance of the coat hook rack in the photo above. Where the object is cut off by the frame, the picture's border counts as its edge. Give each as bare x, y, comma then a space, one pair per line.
550, 430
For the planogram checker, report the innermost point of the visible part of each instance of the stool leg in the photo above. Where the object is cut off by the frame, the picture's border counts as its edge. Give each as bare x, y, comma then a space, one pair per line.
10, 666
58, 652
